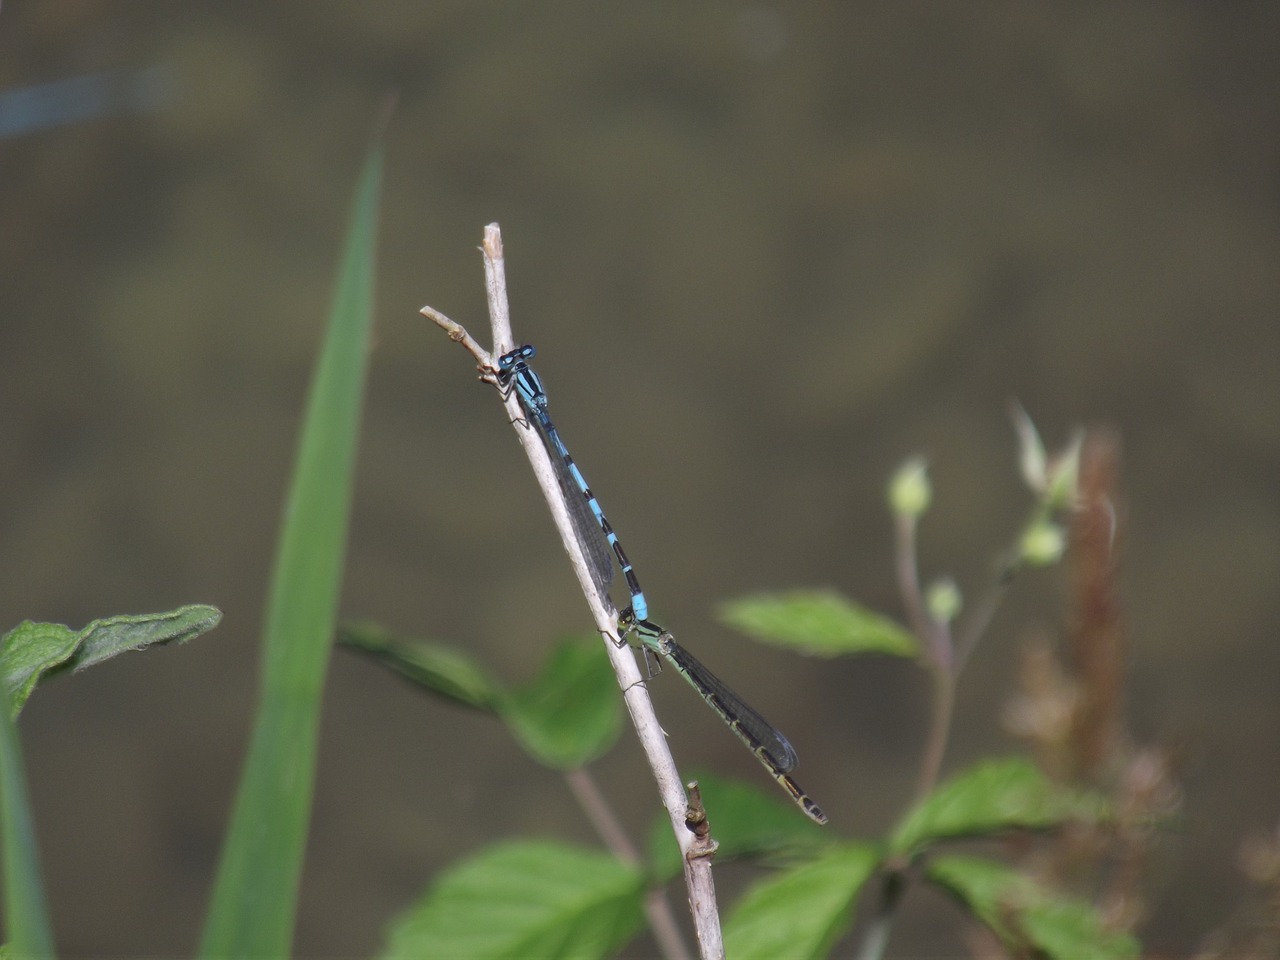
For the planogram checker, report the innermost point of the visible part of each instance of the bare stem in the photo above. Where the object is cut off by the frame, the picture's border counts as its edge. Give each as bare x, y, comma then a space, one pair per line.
697, 869
909, 586
876, 937
939, 656
944, 700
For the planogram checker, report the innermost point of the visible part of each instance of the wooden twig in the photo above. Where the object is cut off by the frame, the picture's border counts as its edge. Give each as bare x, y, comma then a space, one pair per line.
697, 869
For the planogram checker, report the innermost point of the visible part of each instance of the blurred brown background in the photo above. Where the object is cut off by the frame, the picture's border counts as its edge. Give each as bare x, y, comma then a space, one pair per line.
765, 252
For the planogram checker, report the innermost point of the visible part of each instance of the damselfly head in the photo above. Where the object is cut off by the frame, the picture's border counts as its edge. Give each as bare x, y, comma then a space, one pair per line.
519, 354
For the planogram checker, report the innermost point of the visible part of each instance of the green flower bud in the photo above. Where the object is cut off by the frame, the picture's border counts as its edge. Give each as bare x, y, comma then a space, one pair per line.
944, 600
909, 490
1043, 543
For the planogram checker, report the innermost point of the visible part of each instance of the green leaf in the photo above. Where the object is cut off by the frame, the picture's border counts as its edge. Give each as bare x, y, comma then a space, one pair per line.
444, 671
255, 893
818, 622
1023, 914
993, 796
31, 651
803, 911
746, 822
572, 713
524, 899
28, 653
25, 912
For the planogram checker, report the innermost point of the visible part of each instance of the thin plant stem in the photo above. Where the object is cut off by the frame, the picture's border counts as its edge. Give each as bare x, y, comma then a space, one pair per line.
976, 624
936, 644
876, 938
600, 813
938, 658
909, 587
944, 701
697, 869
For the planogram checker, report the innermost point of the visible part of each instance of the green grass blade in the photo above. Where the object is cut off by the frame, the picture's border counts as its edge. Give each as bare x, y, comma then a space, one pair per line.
255, 893
26, 916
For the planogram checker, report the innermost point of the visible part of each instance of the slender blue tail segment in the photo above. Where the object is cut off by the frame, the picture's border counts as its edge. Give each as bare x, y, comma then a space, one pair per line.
514, 369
